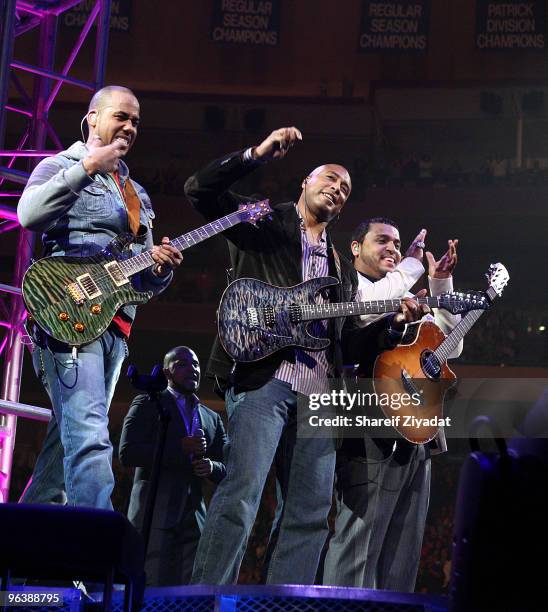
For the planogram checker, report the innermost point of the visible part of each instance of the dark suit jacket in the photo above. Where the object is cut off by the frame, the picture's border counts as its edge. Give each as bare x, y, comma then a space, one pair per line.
272, 253
137, 444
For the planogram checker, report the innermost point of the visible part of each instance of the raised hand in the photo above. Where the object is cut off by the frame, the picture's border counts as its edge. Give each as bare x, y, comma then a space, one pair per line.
416, 248
443, 268
103, 158
277, 144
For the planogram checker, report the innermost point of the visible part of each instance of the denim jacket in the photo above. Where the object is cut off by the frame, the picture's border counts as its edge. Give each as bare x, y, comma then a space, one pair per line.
79, 215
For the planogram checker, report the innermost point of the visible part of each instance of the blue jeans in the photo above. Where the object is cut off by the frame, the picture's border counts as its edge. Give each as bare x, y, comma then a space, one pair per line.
256, 420
75, 463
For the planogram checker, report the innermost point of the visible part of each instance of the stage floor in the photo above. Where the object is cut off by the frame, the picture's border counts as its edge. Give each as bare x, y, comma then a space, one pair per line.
254, 598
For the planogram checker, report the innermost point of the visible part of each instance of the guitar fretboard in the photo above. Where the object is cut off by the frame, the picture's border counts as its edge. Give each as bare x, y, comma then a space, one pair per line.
329, 310
450, 343
138, 263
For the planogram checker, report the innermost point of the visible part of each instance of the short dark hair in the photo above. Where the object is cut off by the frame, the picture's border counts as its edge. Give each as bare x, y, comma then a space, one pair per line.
170, 355
361, 230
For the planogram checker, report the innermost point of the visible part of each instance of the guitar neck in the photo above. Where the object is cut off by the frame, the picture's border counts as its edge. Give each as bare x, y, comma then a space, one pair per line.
450, 343
310, 312
141, 262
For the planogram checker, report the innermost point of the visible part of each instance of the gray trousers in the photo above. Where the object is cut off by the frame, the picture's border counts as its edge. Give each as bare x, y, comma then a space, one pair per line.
172, 550
382, 502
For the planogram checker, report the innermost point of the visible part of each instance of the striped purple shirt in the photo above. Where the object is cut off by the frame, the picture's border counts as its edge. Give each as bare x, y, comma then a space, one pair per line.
311, 369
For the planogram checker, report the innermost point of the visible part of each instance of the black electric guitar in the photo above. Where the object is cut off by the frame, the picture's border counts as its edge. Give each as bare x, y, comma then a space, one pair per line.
421, 369
256, 319
74, 299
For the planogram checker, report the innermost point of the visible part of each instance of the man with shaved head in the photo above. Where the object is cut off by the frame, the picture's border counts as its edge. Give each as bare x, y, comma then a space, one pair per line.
81, 199
193, 452
261, 397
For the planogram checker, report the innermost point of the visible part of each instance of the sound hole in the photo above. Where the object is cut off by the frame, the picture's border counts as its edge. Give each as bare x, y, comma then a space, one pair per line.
430, 365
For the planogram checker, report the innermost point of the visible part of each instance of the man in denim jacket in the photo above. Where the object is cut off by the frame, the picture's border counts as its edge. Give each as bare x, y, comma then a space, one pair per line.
80, 200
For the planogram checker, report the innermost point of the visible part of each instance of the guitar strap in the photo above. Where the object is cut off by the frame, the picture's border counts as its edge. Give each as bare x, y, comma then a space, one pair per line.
337, 263
133, 204
337, 260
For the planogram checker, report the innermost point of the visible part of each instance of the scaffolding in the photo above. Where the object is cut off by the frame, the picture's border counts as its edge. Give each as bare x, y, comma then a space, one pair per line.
17, 17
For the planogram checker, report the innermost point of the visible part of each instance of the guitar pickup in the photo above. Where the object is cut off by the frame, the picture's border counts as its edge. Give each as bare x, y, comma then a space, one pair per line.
295, 313
269, 318
116, 274
88, 286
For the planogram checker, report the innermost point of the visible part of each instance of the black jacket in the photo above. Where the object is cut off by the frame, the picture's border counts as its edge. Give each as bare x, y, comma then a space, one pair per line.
137, 446
272, 253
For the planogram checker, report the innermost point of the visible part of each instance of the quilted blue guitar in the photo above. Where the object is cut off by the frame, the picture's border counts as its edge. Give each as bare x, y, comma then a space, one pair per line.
256, 319
74, 299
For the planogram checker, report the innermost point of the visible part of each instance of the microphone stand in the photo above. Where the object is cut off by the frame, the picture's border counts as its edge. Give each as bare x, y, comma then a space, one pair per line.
153, 385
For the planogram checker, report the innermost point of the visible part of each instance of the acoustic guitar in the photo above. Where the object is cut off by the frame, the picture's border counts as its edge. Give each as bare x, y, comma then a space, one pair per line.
420, 370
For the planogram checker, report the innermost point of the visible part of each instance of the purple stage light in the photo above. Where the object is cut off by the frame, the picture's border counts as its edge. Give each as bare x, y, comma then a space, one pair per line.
10, 289
8, 213
74, 53
50, 74
21, 111
7, 226
41, 13
28, 7
20, 145
27, 153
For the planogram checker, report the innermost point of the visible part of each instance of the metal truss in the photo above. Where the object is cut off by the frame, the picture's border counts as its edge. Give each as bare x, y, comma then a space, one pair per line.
18, 17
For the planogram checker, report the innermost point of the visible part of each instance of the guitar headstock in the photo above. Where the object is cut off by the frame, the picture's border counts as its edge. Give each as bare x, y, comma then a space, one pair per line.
254, 211
461, 302
498, 278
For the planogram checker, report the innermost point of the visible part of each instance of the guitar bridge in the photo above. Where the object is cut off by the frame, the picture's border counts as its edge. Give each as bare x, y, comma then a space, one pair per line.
252, 317
410, 386
76, 293
88, 286
267, 313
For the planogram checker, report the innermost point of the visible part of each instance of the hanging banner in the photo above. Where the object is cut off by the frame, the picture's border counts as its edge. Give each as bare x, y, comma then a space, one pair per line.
120, 13
394, 25
248, 22
510, 24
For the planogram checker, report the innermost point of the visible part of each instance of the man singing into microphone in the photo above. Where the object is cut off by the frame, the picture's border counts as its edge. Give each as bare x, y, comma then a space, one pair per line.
193, 452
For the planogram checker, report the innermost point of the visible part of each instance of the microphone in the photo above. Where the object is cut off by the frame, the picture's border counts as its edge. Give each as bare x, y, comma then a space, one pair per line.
199, 433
